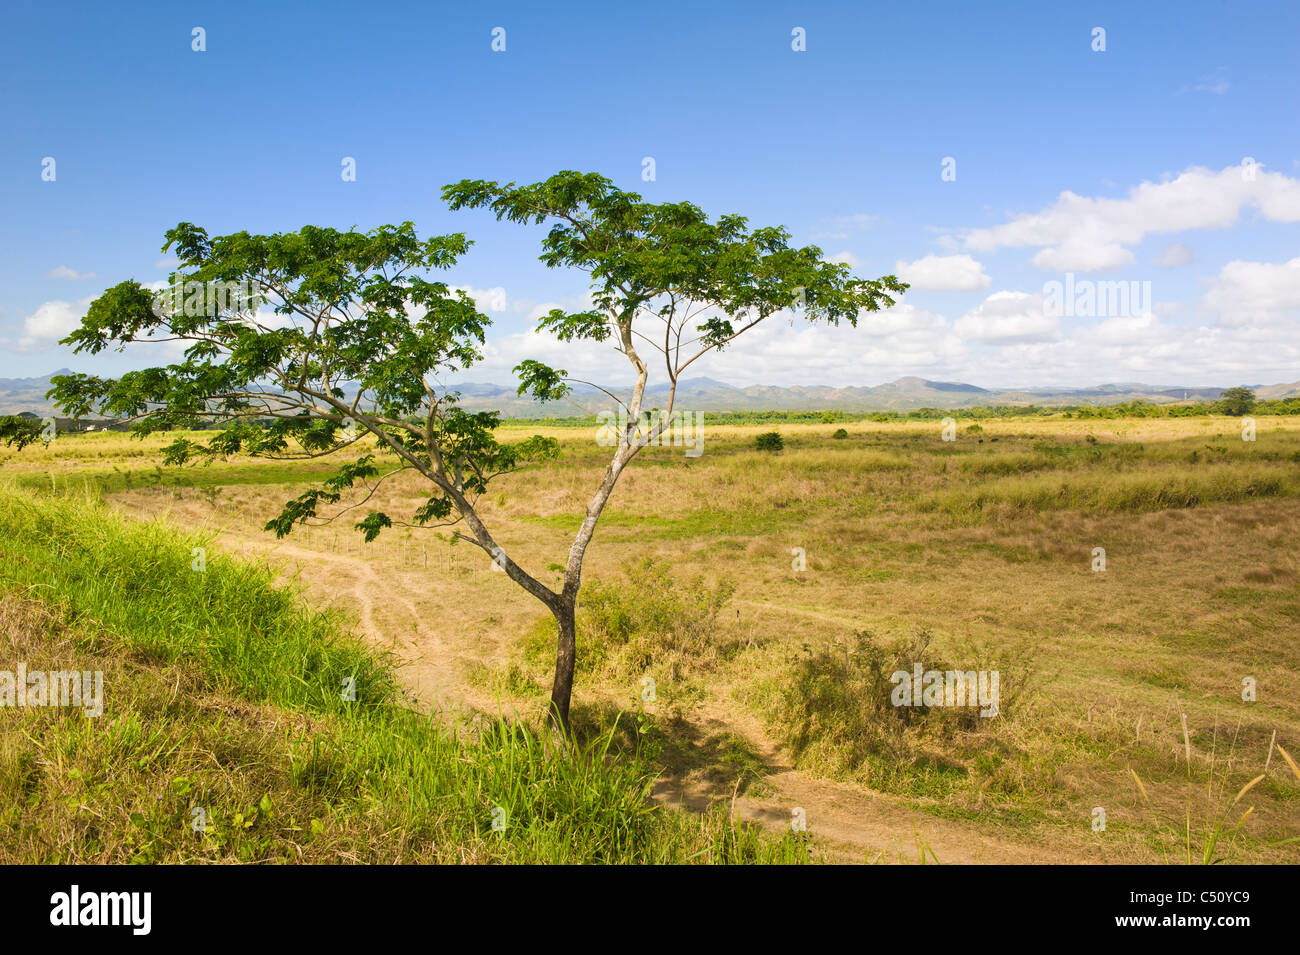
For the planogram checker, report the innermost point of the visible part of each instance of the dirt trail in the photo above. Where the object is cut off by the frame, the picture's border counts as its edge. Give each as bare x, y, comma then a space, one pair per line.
435, 639
851, 824
385, 606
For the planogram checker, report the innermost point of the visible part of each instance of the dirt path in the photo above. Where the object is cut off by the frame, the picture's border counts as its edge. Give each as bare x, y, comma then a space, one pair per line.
851, 824
436, 638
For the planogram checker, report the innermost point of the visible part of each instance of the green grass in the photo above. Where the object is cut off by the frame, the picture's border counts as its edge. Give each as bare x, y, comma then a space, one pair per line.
224, 693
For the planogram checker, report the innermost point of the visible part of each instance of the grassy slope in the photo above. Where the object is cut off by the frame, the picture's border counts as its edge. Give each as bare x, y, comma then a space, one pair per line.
223, 693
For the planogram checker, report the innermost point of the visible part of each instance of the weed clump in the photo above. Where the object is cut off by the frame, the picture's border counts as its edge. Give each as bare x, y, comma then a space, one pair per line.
846, 711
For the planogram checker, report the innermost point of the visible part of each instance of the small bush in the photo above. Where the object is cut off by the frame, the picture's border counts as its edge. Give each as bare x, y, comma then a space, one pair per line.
838, 718
840, 434
769, 441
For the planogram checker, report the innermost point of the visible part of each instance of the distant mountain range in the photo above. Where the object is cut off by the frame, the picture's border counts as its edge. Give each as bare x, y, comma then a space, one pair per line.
905, 394
706, 394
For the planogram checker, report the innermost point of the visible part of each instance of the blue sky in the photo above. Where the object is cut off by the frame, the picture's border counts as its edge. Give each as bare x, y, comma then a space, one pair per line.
1117, 165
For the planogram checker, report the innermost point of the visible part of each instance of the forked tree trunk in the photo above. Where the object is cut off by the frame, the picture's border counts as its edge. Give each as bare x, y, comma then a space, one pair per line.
566, 600
565, 657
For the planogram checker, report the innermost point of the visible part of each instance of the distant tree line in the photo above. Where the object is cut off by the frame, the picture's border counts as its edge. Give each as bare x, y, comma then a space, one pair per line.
1233, 401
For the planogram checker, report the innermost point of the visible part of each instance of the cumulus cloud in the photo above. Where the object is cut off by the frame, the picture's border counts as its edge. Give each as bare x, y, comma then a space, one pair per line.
1149, 350
943, 273
1256, 293
69, 274
847, 258
1008, 318
1083, 253
784, 349
1078, 233
1008, 341
1128, 330
50, 322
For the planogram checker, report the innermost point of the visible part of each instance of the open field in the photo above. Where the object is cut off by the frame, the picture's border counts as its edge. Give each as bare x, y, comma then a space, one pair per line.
974, 554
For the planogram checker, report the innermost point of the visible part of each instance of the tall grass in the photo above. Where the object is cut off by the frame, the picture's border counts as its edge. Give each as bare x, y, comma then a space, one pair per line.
1209, 834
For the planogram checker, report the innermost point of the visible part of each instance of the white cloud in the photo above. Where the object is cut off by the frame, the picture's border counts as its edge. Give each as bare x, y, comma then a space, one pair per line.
487, 300
1009, 318
50, 322
1082, 253
1077, 233
1148, 350
1128, 330
1256, 293
69, 274
885, 344
943, 273
847, 258
1008, 341
1177, 254
784, 349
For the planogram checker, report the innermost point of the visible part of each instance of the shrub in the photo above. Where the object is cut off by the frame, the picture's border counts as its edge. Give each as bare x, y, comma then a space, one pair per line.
840, 434
769, 441
838, 719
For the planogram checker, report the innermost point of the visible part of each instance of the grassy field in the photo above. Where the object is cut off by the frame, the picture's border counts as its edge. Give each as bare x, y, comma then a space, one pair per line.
1121, 689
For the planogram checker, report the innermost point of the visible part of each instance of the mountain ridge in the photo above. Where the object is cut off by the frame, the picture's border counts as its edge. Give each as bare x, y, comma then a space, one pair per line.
708, 394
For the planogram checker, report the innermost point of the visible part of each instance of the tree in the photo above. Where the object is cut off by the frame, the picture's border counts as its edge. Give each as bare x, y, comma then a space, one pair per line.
1237, 401
665, 279
357, 332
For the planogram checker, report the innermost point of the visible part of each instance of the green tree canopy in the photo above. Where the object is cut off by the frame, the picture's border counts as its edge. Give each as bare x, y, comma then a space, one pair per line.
1236, 401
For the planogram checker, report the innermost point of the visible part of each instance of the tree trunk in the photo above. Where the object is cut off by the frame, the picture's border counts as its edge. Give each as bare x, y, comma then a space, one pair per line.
565, 657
